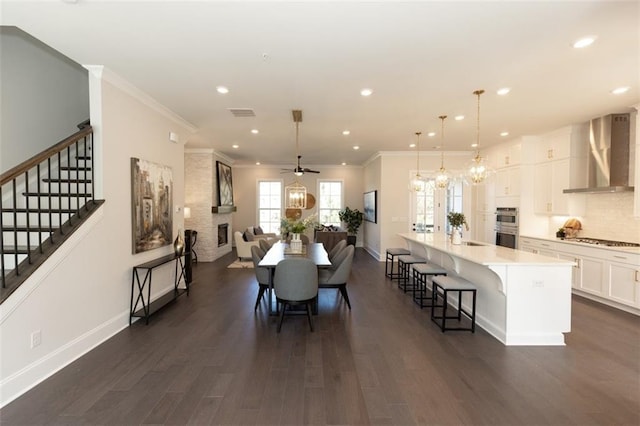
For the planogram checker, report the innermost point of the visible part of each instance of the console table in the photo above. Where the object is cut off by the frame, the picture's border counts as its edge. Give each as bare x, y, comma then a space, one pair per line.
147, 307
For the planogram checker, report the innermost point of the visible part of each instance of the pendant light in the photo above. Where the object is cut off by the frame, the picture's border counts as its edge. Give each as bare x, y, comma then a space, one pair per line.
478, 170
296, 193
417, 183
442, 178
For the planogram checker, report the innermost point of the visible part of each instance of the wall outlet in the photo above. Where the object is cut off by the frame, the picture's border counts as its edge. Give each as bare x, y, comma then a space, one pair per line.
36, 338
538, 283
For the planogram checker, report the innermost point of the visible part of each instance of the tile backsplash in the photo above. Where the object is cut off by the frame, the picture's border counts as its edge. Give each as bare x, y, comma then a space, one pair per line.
610, 217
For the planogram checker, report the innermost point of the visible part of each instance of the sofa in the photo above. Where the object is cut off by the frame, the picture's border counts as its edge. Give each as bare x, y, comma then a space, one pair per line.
330, 238
256, 231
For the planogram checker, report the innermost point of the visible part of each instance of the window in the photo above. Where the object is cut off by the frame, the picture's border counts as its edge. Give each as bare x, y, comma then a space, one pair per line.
423, 205
454, 201
329, 202
269, 205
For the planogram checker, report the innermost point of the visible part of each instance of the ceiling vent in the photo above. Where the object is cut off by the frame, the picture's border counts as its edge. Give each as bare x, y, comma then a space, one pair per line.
242, 112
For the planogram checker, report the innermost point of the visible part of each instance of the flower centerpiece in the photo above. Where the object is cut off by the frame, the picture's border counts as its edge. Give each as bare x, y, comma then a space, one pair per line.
456, 220
297, 226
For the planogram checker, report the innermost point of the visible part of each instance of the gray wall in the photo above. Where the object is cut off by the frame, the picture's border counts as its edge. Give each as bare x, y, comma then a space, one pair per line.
44, 95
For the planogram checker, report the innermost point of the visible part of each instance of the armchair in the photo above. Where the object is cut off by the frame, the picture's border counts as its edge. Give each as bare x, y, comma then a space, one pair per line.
244, 247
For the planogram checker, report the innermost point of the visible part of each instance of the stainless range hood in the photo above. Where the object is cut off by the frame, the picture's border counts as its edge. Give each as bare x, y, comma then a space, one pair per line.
608, 161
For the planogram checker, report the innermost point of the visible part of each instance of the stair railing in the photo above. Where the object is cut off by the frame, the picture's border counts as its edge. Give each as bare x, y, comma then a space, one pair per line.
27, 175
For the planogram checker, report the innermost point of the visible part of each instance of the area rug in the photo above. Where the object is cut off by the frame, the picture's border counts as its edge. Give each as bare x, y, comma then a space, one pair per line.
240, 264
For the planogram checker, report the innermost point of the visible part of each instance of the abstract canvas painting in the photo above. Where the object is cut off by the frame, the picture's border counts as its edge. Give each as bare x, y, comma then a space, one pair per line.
151, 205
225, 184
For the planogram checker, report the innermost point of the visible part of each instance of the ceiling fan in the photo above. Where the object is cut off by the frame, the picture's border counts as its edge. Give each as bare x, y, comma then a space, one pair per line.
298, 171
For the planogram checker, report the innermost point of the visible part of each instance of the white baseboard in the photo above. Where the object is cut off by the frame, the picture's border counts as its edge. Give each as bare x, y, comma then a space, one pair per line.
21, 381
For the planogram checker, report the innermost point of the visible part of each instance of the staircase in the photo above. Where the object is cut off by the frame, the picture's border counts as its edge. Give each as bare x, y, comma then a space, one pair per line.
42, 202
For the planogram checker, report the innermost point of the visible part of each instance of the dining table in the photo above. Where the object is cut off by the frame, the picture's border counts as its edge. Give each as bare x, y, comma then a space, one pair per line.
282, 250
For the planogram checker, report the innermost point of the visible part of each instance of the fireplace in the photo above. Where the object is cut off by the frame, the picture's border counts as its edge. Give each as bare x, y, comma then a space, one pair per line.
223, 234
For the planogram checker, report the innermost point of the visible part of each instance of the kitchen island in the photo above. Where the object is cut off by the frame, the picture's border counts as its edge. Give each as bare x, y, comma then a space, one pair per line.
523, 298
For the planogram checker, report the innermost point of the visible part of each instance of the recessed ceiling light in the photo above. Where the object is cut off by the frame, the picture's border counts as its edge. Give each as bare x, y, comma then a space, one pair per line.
431, 134
458, 117
503, 91
235, 146
413, 145
620, 90
473, 145
584, 42
344, 164
366, 92
356, 147
504, 134
255, 131
257, 163
346, 132
222, 90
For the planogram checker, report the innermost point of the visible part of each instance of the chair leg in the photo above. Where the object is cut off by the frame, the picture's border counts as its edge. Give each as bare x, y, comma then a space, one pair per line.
284, 306
309, 315
345, 295
261, 292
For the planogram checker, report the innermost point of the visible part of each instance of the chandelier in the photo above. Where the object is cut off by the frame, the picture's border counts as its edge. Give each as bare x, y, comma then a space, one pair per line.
296, 193
478, 170
417, 183
442, 178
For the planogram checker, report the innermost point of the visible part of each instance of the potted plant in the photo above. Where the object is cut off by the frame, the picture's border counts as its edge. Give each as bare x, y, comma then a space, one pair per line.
353, 219
456, 220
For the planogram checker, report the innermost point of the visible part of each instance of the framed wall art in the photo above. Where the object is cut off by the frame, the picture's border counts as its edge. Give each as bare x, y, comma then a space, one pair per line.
151, 205
225, 184
370, 199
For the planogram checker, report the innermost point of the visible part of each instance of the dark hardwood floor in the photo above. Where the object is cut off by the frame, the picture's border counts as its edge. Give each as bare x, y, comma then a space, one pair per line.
209, 359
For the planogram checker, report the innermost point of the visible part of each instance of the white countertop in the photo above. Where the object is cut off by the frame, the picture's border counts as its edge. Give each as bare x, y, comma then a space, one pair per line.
484, 254
634, 250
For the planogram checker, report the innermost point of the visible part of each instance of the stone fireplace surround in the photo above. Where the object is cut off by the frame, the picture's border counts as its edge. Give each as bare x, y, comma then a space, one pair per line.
200, 196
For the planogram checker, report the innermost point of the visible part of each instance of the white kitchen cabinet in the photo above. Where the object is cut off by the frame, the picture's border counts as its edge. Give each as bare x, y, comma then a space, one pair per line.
604, 274
575, 275
560, 164
623, 276
590, 275
542, 188
485, 228
506, 155
485, 198
507, 182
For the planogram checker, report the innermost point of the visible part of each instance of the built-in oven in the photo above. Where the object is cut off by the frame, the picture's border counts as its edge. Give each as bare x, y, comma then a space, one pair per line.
507, 227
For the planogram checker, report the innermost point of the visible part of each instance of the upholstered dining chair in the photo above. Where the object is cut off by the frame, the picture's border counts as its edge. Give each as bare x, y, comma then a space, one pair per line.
296, 283
265, 244
262, 274
337, 249
338, 275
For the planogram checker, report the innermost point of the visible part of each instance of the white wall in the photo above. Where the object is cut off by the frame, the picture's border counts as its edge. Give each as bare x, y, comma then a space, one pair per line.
44, 96
81, 299
394, 197
373, 182
245, 180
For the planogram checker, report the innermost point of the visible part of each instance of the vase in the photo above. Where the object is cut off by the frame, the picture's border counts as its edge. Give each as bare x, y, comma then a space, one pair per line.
178, 244
456, 236
295, 236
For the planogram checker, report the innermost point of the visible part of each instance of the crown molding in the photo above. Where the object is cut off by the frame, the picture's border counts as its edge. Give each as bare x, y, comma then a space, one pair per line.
109, 76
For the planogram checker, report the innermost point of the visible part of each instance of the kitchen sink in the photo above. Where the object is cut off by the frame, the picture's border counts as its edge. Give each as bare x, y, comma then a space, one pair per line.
472, 243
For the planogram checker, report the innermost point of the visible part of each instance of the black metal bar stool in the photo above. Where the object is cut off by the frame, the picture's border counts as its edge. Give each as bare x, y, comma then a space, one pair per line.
442, 286
423, 272
404, 265
391, 255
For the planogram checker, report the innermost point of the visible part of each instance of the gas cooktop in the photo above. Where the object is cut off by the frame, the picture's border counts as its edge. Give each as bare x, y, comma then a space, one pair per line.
607, 243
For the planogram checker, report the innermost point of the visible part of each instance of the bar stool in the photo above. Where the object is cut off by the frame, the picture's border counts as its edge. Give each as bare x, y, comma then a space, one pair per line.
442, 285
421, 273
391, 255
404, 265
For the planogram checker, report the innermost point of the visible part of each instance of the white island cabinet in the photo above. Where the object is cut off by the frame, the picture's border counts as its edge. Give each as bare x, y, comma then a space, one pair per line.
523, 298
